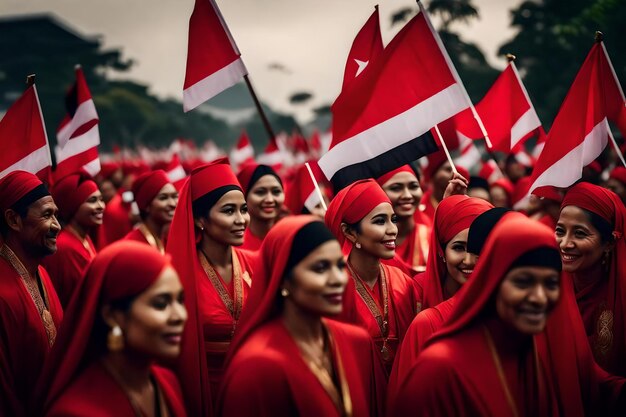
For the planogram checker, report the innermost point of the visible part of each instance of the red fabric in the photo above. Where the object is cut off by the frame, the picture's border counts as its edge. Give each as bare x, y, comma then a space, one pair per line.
274, 359
454, 214
107, 169
413, 251
24, 344
384, 178
70, 192
121, 270
245, 175
301, 188
96, 394
427, 203
116, 220
77, 122
610, 293
506, 185
136, 236
619, 174
402, 309
463, 380
353, 203
366, 47
146, 187
67, 265
192, 367
520, 192
435, 161
16, 185
551, 193
251, 242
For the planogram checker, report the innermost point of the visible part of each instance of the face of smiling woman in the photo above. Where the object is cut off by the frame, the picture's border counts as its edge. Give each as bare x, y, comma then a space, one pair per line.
456, 266
378, 232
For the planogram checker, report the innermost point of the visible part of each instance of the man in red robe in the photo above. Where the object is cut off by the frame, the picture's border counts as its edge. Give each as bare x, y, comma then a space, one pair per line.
30, 312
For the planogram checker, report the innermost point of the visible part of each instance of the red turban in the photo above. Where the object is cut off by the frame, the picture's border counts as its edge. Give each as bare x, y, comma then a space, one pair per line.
18, 185
209, 177
404, 168
353, 203
147, 186
619, 174
122, 270
72, 191
454, 214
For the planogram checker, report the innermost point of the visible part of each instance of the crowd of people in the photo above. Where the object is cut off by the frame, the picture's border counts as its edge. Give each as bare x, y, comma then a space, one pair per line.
425, 292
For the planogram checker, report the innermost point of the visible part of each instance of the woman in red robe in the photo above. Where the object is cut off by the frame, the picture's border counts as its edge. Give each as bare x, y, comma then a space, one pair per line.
127, 314
209, 224
403, 189
510, 346
380, 298
446, 269
590, 232
287, 358
156, 198
81, 208
264, 193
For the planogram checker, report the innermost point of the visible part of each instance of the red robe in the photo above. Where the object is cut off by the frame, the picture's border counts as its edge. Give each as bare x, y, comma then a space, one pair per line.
268, 377
116, 222
402, 310
216, 319
426, 204
24, 343
251, 242
95, 393
67, 264
413, 250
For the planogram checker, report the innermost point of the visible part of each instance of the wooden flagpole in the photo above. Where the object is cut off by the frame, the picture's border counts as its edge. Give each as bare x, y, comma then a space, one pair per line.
445, 149
266, 123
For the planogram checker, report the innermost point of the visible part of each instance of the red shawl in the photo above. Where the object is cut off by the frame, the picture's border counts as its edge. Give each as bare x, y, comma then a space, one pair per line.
116, 221
453, 215
605, 303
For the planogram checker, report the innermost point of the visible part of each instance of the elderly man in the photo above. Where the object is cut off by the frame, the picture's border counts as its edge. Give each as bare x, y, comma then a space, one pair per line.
30, 312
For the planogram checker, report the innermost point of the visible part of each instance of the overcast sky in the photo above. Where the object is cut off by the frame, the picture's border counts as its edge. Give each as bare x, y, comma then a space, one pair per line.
311, 38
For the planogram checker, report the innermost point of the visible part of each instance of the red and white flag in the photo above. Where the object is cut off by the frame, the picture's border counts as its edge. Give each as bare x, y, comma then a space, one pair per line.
213, 60
469, 156
580, 130
176, 172
78, 134
23, 139
272, 155
367, 46
243, 151
383, 120
506, 111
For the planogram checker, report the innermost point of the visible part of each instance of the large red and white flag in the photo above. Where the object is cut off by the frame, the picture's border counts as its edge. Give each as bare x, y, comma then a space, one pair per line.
367, 46
23, 139
383, 120
78, 134
506, 111
213, 60
243, 152
580, 130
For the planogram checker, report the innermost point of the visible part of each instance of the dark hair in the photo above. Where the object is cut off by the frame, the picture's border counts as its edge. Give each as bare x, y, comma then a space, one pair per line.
604, 227
355, 226
100, 329
4, 226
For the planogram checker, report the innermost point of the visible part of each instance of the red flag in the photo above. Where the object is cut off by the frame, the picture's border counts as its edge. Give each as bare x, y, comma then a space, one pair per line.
383, 120
176, 172
272, 155
243, 151
213, 60
78, 132
23, 139
367, 45
580, 130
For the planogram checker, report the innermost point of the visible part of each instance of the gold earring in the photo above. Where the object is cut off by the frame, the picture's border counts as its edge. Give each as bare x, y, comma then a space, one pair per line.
358, 245
284, 292
115, 339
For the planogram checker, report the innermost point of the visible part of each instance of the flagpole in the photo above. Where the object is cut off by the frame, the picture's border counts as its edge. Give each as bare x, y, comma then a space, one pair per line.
317, 187
617, 149
30, 80
445, 149
266, 123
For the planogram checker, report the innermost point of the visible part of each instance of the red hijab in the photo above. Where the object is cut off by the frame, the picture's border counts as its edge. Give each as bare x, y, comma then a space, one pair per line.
181, 245
454, 214
404, 168
608, 205
72, 191
147, 186
121, 270
352, 204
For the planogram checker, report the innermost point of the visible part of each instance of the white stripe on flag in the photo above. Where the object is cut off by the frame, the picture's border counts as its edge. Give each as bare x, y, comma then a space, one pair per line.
176, 174
33, 162
79, 144
86, 112
524, 125
568, 169
311, 201
214, 84
240, 155
395, 131
92, 167
273, 158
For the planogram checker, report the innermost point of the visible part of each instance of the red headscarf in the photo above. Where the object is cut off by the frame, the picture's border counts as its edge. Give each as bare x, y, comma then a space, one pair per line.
121, 270
404, 168
147, 186
15, 186
250, 174
567, 361
619, 174
181, 245
353, 203
72, 191
454, 214
608, 205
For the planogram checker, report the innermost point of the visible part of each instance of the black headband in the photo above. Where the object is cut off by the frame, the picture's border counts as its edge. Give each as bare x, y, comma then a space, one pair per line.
306, 240
481, 227
259, 172
202, 205
21, 205
544, 256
